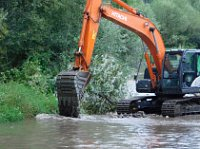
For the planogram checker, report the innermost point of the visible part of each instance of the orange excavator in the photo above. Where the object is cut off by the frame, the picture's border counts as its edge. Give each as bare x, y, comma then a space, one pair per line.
170, 77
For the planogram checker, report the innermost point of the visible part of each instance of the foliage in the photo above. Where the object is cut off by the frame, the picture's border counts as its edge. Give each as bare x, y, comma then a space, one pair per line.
120, 46
3, 27
30, 74
106, 86
179, 23
41, 28
18, 101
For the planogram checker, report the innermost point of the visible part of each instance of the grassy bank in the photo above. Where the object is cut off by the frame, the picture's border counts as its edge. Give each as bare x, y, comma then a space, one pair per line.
18, 102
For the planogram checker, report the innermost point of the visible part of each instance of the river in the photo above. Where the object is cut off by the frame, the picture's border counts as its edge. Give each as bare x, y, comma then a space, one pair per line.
108, 131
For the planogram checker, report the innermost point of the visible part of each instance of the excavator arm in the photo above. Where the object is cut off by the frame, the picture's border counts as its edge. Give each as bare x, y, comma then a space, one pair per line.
130, 19
70, 84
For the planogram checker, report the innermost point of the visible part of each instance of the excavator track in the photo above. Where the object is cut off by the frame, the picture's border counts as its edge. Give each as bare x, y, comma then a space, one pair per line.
70, 86
180, 107
147, 104
123, 107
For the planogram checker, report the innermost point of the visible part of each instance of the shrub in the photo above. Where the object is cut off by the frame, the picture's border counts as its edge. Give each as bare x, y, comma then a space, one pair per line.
18, 101
105, 87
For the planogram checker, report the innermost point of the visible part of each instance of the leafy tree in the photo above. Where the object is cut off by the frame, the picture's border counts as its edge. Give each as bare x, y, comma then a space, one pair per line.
40, 29
178, 22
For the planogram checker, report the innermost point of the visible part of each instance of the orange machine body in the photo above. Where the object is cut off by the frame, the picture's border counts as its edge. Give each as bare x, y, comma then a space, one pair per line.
129, 19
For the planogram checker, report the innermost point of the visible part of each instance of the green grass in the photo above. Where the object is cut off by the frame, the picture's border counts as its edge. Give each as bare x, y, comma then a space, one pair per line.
18, 102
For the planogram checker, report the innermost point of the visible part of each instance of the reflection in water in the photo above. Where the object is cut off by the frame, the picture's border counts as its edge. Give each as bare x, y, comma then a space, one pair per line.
54, 132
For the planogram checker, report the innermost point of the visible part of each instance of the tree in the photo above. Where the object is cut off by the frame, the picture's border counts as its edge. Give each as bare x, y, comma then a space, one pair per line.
178, 22
41, 29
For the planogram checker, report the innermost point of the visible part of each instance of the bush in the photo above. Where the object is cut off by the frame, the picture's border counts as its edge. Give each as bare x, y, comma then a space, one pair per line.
105, 87
30, 74
18, 101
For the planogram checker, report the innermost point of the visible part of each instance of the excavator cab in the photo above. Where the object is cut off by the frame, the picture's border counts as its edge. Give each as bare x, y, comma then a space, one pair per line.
170, 82
180, 69
191, 71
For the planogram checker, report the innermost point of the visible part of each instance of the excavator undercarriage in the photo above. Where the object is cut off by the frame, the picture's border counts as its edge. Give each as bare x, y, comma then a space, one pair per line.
180, 107
148, 104
166, 107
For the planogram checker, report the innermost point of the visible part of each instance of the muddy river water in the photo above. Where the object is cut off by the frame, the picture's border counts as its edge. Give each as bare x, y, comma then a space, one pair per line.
55, 132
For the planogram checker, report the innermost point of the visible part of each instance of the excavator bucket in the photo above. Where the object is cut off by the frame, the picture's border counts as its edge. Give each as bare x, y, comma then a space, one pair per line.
70, 90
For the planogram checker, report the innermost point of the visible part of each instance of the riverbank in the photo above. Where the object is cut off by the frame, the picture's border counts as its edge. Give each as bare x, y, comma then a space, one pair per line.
19, 102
